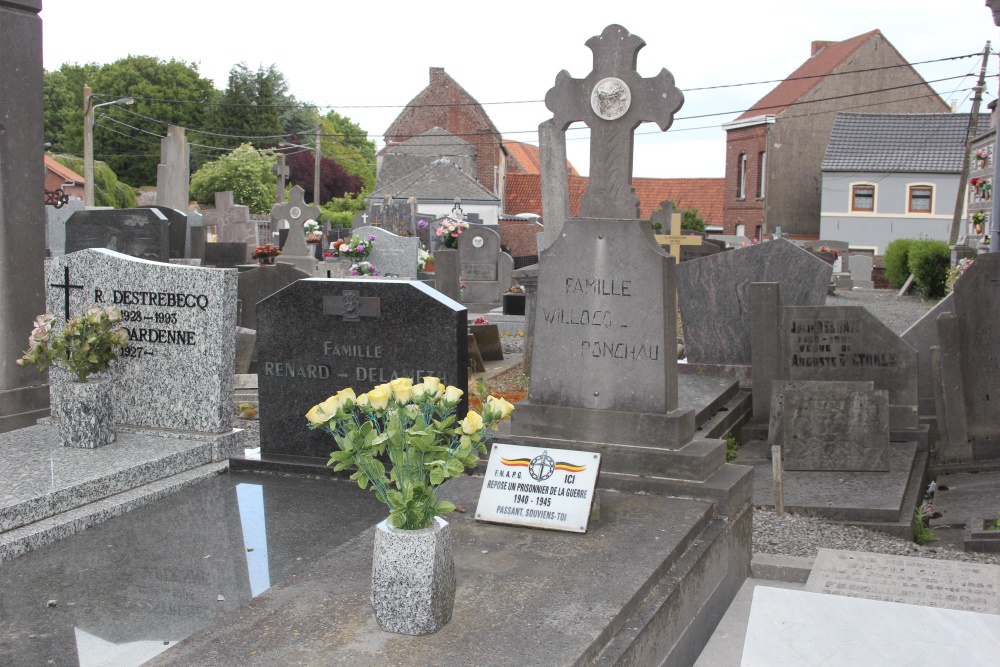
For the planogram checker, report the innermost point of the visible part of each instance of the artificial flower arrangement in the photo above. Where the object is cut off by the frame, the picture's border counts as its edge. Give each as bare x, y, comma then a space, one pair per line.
827, 249
354, 247
87, 345
450, 229
957, 272
980, 154
415, 425
515, 289
424, 258
364, 269
265, 251
480, 320
311, 229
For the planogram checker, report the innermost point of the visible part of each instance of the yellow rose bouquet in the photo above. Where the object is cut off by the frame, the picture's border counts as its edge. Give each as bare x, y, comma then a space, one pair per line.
415, 425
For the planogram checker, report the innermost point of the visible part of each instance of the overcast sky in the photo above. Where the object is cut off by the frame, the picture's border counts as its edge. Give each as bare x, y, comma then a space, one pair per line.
377, 54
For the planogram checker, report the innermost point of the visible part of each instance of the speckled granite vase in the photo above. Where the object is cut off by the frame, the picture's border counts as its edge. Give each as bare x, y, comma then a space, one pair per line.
86, 415
413, 578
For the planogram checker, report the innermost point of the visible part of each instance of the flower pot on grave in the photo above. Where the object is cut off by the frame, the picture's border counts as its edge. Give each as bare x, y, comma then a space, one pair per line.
265, 261
428, 267
86, 414
413, 578
513, 304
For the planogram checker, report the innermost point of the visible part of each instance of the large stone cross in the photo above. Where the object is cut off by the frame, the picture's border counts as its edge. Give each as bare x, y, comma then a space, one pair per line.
613, 100
296, 213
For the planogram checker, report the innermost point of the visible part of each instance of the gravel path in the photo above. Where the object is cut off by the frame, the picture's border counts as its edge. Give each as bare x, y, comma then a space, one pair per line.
896, 312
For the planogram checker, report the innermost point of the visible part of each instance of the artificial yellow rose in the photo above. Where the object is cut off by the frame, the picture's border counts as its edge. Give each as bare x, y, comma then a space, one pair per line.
417, 392
347, 398
315, 417
378, 397
433, 385
472, 423
329, 406
452, 394
401, 390
363, 401
500, 405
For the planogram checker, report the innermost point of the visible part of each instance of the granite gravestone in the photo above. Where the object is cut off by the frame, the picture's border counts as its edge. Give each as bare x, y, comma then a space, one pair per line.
484, 268
318, 336
177, 371
55, 225
970, 363
296, 251
393, 256
257, 284
714, 295
604, 367
139, 232
226, 255
195, 238
178, 230
832, 427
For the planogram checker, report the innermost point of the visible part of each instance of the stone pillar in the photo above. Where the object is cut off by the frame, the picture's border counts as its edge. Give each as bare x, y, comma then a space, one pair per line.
527, 277
24, 395
764, 317
173, 174
555, 181
956, 432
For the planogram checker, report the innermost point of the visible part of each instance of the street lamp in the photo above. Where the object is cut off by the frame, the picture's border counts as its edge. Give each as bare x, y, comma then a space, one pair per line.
319, 154
88, 141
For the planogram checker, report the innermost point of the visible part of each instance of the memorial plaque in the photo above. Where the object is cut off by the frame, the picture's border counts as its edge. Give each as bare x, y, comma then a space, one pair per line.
318, 336
479, 271
540, 488
177, 370
923, 581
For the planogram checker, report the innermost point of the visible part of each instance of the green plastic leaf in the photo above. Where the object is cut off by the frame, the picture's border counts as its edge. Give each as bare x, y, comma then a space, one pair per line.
443, 507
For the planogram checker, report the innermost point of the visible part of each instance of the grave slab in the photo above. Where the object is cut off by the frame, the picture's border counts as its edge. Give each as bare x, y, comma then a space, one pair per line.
177, 371
803, 629
714, 295
946, 584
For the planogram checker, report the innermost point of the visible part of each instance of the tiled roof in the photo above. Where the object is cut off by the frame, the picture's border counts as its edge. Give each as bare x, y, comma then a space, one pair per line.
915, 142
526, 159
441, 179
523, 194
65, 173
400, 160
794, 86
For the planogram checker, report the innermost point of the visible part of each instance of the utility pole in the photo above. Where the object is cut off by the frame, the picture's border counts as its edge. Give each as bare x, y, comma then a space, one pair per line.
956, 220
319, 156
88, 149
281, 171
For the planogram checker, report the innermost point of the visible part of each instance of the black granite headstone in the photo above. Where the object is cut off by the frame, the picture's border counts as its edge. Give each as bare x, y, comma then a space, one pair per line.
139, 232
317, 336
260, 283
225, 255
178, 229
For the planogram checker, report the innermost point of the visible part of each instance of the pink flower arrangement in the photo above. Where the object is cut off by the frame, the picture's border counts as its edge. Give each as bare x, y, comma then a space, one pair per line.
450, 229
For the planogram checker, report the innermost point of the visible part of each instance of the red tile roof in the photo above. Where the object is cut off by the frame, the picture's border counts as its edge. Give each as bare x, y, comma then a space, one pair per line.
67, 174
818, 66
524, 195
526, 159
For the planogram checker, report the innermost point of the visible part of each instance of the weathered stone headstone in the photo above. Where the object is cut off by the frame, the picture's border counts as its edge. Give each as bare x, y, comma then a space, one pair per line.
22, 217
177, 371
55, 225
396, 217
178, 230
938, 583
318, 336
842, 247
257, 284
173, 174
231, 221
296, 251
225, 255
776, 422
393, 256
922, 336
139, 232
861, 271
714, 295
484, 268
832, 427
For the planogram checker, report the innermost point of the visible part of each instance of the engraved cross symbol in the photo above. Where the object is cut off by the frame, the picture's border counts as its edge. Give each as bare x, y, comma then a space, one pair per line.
66, 288
352, 306
613, 100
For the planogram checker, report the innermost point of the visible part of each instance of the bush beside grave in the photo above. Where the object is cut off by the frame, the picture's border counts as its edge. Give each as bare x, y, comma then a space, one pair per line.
896, 261
929, 262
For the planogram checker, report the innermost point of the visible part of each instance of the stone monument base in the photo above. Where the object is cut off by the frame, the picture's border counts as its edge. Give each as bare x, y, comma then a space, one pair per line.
22, 407
672, 430
646, 585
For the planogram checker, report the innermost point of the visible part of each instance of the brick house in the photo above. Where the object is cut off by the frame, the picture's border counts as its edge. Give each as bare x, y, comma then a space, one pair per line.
446, 105
774, 149
57, 176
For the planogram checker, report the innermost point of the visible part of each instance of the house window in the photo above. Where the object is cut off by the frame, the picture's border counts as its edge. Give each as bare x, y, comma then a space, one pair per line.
741, 183
920, 199
761, 166
863, 198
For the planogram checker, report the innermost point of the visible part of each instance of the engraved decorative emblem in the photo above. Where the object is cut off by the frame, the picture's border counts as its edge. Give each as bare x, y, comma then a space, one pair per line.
352, 306
478, 242
295, 212
610, 98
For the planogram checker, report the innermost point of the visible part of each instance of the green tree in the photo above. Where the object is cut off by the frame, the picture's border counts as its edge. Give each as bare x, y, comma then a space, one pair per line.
246, 171
108, 190
347, 144
170, 92
692, 221
251, 104
64, 106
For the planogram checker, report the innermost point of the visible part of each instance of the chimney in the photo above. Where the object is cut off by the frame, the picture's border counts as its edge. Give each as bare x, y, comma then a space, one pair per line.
437, 74
819, 45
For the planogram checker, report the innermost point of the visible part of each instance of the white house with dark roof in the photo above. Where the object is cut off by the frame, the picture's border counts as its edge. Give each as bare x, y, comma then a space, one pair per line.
892, 176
